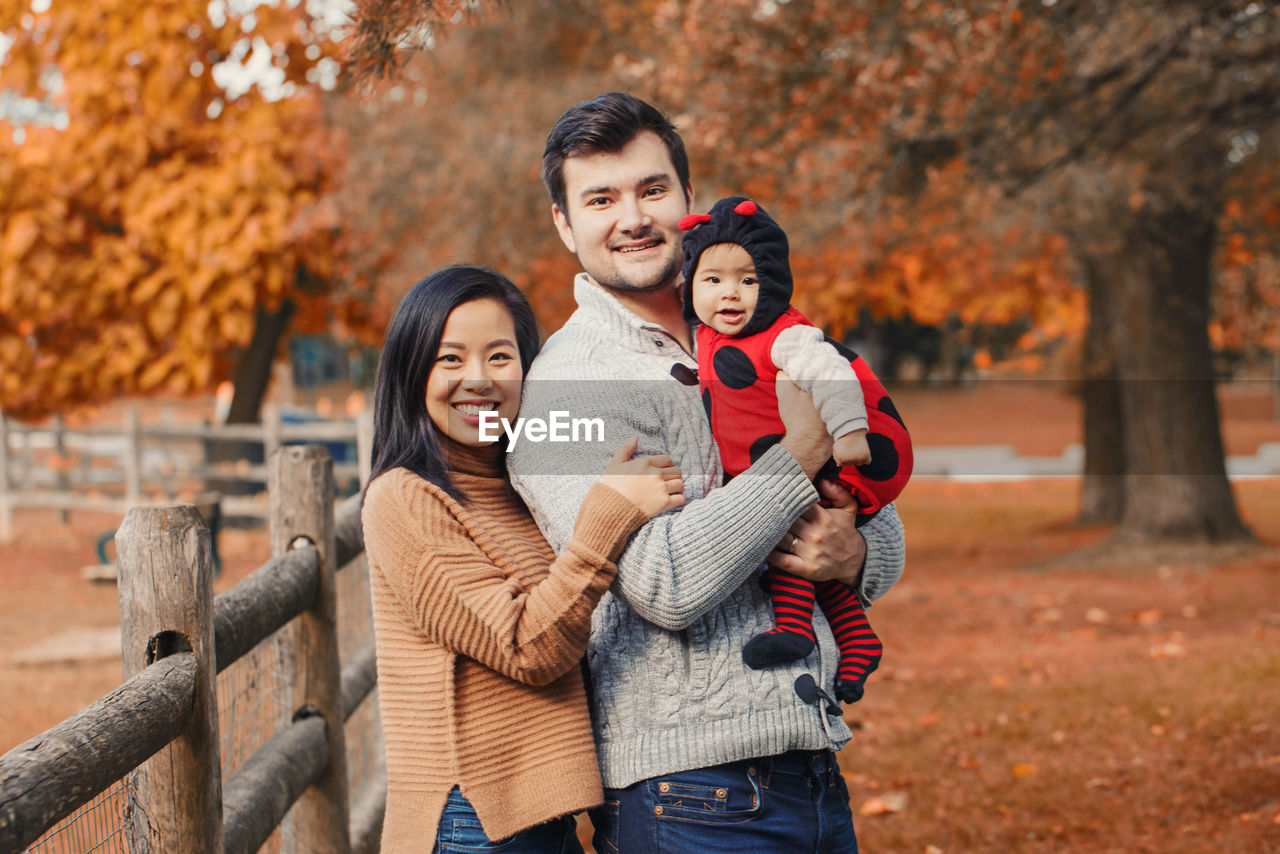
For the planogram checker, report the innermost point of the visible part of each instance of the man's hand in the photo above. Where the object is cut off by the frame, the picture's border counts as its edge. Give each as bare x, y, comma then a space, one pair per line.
824, 543
806, 438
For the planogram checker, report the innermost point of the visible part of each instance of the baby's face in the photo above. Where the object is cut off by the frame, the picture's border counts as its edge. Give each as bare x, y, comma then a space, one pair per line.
725, 288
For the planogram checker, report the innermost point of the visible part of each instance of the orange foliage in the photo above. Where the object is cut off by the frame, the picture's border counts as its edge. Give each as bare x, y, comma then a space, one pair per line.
872, 227
1247, 287
138, 239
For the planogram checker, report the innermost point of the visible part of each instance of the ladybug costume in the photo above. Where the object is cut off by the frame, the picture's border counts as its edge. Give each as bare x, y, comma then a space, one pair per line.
737, 374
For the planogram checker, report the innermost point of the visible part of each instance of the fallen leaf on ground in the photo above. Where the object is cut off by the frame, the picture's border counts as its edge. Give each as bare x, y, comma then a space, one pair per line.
1149, 617
889, 802
1025, 769
1169, 649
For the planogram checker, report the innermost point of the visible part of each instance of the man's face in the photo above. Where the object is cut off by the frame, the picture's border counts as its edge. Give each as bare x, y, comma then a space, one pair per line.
622, 214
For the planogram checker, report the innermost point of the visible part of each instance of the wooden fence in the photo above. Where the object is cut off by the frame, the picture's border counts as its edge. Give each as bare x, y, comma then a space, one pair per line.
160, 728
76, 474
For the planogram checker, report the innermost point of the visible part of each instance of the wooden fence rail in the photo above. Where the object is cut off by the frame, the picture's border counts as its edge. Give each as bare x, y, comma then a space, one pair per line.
161, 726
128, 473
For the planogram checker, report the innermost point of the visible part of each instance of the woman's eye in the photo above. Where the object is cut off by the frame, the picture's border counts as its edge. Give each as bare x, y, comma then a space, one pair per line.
501, 357
449, 358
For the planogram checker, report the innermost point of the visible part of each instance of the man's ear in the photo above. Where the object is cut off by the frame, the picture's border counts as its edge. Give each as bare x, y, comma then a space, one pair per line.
564, 229
688, 194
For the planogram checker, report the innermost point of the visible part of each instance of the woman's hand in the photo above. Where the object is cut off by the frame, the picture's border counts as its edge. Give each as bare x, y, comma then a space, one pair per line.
807, 438
651, 483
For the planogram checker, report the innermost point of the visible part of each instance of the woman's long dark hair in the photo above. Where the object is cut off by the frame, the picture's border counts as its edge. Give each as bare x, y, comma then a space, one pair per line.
403, 433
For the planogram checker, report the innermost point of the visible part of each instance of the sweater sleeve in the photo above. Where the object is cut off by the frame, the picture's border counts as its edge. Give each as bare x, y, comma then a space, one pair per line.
684, 562
453, 588
886, 554
823, 374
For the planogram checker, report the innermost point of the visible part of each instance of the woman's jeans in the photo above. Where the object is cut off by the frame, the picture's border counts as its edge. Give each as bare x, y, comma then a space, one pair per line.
460, 832
787, 804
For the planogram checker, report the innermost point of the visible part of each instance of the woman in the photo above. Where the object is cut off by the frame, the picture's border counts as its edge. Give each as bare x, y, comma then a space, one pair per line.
479, 626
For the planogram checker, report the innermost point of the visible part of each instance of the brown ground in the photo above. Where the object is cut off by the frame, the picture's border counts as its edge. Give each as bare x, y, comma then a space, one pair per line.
1038, 694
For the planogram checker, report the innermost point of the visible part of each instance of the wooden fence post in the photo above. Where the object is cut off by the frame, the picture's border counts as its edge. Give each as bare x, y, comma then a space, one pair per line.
132, 457
6, 508
60, 452
300, 489
272, 424
166, 606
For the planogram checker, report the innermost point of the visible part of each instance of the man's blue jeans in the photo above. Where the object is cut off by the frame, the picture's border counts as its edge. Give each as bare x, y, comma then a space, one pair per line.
460, 833
795, 802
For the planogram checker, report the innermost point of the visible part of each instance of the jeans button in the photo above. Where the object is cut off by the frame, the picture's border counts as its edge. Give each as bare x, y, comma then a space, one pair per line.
722, 793
751, 772
664, 787
657, 810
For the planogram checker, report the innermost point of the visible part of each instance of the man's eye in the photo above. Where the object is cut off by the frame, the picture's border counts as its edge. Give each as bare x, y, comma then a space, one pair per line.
655, 191
598, 201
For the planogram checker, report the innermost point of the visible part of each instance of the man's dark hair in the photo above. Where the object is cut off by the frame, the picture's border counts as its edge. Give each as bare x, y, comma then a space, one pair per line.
607, 123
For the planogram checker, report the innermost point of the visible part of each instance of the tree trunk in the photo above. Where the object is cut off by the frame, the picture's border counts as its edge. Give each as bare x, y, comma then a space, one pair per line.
1176, 486
1102, 494
250, 377
253, 371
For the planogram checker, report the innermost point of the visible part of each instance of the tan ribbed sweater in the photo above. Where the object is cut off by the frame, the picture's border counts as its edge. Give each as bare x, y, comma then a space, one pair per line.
480, 629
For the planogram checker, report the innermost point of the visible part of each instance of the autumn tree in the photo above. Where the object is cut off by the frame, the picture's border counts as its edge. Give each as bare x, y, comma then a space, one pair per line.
162, 229
1112, 126
444, 151
934, 158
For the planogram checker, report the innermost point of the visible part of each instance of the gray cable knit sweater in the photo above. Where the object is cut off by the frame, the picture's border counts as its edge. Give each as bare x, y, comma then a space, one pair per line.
670, 691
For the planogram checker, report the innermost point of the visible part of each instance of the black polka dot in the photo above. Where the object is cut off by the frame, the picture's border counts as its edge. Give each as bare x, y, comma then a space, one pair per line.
884, 459
830, 470
734, 368
684, 374
842, 350
764, 443
886, 406
706, 402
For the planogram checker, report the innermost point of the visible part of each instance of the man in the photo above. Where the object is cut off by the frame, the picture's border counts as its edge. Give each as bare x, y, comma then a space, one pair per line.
698, 752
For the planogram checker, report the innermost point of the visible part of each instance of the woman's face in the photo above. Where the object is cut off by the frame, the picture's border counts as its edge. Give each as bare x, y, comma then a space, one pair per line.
476, 368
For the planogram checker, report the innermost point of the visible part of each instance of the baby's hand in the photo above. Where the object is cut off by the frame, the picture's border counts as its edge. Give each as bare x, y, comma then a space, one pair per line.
852, 449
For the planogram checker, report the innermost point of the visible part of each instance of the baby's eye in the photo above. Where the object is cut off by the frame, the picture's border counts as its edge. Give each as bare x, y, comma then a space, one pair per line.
712, 280
749, 280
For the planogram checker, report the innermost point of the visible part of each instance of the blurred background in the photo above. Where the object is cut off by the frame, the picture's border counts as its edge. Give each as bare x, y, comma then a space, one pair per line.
1049, 226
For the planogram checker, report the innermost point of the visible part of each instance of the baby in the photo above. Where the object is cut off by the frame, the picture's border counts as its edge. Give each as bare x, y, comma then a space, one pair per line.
737, 282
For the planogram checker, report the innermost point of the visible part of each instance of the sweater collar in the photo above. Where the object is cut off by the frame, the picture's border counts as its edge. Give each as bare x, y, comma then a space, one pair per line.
481, 460
601, 310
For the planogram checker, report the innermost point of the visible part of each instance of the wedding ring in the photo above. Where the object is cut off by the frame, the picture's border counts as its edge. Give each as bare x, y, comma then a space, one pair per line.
794, 542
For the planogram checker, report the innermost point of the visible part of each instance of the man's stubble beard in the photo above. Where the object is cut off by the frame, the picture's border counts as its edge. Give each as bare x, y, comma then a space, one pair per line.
622, 284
